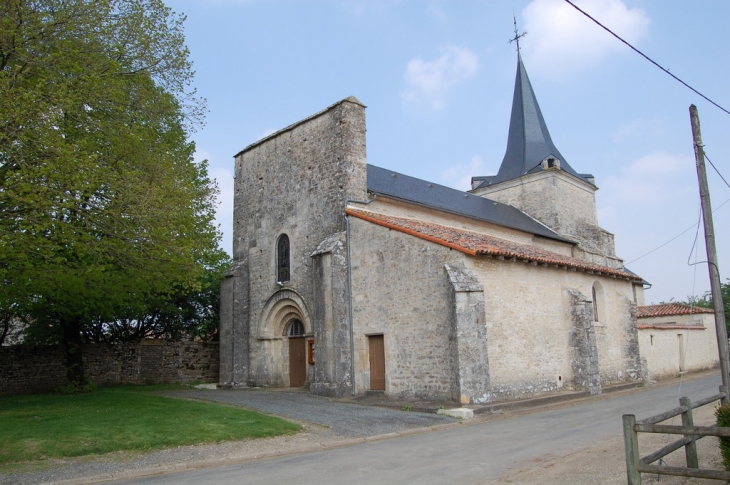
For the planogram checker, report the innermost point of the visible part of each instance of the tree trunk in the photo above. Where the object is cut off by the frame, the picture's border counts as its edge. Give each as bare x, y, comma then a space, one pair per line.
5, 319
72, 346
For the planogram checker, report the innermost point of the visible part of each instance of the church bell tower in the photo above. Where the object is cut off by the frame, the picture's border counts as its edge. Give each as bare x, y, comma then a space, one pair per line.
536, 178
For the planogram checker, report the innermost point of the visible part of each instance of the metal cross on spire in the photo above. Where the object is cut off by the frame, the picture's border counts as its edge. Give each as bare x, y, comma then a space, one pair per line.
517, 36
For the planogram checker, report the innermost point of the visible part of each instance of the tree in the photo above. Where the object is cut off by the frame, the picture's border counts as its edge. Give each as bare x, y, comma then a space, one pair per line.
102, 210
706, 301
191, 312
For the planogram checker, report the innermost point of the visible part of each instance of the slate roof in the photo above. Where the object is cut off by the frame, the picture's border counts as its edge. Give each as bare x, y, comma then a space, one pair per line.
668, 309
476, 244
427, 194
528, 142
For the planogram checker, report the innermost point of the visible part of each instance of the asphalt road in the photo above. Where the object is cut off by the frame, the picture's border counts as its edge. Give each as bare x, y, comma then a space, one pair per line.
464, 455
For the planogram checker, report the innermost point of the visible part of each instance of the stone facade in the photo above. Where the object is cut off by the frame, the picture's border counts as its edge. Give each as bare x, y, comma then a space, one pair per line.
27, 369
295, 183
400, 286
564, 203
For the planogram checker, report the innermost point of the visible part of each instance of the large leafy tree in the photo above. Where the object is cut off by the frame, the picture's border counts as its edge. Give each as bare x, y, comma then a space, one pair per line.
102, 210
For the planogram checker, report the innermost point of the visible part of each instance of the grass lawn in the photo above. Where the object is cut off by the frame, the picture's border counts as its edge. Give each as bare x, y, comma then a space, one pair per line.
120, 418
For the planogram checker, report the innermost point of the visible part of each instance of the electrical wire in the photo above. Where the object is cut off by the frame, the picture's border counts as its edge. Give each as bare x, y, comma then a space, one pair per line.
675, 237
645, 56
716, 170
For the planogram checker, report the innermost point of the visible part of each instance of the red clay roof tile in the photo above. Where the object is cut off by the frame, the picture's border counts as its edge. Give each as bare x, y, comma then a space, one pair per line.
475, 244
666, 309
671, 326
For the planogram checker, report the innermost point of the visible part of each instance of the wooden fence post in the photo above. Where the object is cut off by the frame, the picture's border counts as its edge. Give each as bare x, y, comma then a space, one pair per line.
631, 446
690, 449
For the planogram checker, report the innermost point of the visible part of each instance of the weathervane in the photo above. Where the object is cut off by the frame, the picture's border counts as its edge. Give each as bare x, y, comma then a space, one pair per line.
517, 36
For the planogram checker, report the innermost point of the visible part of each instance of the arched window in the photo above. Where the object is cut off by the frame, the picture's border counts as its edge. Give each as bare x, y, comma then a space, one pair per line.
296, 329
595, 304
282, 259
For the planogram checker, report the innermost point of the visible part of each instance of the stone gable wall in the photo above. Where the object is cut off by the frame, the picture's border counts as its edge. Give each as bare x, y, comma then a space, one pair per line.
28, 369
295, 182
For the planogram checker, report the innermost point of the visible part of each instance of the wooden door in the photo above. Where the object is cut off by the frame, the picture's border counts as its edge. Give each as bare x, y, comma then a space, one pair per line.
297, 362
377, 362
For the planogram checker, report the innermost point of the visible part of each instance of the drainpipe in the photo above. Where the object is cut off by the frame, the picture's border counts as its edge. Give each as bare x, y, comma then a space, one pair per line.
349, 289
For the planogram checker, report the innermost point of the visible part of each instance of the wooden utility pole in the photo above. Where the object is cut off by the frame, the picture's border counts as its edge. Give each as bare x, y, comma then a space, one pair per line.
715, 287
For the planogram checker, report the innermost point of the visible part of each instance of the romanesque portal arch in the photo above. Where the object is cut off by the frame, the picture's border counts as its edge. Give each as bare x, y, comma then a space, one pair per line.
284, 311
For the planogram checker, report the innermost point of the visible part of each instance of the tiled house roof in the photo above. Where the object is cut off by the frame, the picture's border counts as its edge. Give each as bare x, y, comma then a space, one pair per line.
474, 244
667, 309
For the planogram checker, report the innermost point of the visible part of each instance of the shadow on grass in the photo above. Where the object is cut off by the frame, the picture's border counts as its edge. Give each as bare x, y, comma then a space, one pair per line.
125, 418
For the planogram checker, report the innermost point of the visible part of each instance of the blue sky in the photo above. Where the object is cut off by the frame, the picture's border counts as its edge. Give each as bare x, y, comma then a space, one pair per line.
438, 76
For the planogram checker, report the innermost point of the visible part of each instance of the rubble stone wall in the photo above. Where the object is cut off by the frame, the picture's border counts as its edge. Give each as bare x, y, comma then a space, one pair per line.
28, 369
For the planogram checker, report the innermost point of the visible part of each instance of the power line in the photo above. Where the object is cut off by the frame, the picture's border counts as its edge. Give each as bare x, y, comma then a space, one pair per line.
645, 56
675, 237
716, 170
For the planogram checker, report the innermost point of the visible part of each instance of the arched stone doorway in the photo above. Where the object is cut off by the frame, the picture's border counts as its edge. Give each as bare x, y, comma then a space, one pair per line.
286, 324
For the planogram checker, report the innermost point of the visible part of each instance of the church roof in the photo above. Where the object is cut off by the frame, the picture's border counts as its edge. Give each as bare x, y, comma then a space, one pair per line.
668, 309
476, 244
528, 142
410, 189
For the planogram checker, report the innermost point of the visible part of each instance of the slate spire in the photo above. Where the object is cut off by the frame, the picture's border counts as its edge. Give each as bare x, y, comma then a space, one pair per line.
529, 146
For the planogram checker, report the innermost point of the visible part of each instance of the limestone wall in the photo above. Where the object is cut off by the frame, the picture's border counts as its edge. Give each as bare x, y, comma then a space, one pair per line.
661, 343
556, 199
530, 327
293, 182
26, 369
401, 290
564, 204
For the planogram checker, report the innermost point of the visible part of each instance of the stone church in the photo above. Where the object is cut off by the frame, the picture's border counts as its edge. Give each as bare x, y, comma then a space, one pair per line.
349, 278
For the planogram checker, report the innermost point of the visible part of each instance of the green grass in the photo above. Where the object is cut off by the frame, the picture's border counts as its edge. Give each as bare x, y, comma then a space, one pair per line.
126, 418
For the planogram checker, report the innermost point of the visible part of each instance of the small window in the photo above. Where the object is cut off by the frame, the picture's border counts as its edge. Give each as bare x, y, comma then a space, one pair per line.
550, 162
282, 259
595, 305
296, 329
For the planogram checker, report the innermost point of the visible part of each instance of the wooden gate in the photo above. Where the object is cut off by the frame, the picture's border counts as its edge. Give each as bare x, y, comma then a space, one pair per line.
297, 362
377, 362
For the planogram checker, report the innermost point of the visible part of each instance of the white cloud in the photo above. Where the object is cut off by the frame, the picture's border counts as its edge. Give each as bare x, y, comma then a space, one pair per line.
436, 11
639, 129
459, 176
654, 179
647, 204
563, 40
429, 82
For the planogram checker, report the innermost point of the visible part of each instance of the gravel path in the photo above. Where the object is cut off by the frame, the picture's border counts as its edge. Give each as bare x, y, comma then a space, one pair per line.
351, 420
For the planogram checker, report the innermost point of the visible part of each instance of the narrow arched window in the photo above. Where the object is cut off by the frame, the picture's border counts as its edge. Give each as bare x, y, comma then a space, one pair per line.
296, 328
595, 305
282, 259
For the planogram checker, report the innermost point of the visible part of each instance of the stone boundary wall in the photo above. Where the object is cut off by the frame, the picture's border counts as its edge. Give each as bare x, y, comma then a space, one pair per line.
28, 369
